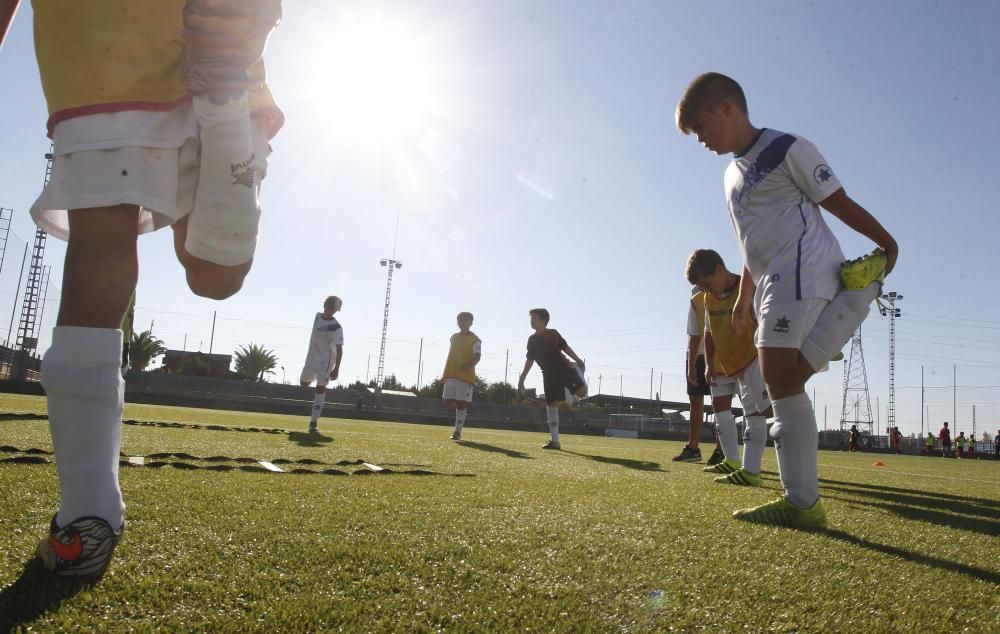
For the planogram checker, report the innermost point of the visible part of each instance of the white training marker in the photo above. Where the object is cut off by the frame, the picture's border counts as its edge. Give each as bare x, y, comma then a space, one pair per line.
137, 460
270, 466
373, 467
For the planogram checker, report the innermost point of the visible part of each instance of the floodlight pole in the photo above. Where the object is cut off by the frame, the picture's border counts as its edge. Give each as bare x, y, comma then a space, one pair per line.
391, 264
890, 309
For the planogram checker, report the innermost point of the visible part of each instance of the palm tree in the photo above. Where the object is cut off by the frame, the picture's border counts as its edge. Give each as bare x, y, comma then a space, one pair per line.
253, 362
143, 348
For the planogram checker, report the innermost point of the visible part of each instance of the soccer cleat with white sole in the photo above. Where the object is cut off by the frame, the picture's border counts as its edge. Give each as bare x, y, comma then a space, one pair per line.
82, 548
688, 454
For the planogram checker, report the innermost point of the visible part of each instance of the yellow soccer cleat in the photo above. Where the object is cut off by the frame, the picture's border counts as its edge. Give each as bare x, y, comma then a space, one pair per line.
781, 512
859, 273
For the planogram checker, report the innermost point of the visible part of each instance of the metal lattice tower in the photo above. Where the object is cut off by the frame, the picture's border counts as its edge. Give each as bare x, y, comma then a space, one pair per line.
856, 384
891, 298
27, 327
391, 264
46, 274
5, 217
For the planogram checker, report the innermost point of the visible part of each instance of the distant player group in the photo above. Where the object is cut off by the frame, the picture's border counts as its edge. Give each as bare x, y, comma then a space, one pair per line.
562, 370
173, 130
760, 333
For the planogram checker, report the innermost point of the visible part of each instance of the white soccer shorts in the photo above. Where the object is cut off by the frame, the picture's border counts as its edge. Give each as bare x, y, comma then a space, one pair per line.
787, 324
152, 162
457, 390
322, 377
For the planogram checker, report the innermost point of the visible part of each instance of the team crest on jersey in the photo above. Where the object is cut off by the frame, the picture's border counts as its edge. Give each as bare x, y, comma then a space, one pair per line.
822, 173
243, 172
782, 325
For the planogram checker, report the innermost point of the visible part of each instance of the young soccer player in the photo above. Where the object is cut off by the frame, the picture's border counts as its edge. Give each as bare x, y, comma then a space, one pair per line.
960, 444
944, 435
546, 347
460, 370
326, 349
697, 384
732, 364
854, 438
126, 162
775, 187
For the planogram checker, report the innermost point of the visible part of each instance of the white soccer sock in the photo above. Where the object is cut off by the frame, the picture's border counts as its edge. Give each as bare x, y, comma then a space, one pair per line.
81, 377
459, 420
553, 416
796, 440
754, 442
725, 422
837, 324
222, 227
317, 406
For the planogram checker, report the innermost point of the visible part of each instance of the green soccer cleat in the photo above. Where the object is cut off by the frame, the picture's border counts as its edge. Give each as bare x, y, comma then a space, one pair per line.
726, 466
858, 273
742, 477
781, 512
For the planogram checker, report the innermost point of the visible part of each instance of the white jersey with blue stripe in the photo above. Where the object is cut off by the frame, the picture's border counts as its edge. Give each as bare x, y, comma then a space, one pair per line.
773, 192
326, 336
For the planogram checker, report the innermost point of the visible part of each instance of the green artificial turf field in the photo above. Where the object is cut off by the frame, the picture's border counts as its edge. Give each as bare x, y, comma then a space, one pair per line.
491, 534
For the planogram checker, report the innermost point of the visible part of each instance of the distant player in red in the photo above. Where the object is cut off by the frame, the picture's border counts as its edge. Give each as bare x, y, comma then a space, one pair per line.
944, 435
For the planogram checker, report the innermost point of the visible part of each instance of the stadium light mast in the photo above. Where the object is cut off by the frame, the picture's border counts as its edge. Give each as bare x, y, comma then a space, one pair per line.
391, 264
891, 298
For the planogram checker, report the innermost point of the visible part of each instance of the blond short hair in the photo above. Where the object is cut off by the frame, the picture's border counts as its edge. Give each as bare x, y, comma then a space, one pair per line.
333, 302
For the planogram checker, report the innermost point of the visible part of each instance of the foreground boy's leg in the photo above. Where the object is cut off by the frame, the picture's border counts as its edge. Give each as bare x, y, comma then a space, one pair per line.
795, 442
80, 374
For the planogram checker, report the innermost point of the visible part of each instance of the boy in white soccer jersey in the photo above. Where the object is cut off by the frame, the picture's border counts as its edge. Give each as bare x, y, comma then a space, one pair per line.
460, 370
731, 365
326, 349
805, 311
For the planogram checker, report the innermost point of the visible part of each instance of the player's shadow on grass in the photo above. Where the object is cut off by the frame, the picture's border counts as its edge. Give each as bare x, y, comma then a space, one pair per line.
946, 498
35, 593
510, 453
919, 558
305, 439
639, 465
947, 511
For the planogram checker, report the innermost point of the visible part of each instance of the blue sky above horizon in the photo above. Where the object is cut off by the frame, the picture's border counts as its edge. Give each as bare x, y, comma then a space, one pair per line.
528, 152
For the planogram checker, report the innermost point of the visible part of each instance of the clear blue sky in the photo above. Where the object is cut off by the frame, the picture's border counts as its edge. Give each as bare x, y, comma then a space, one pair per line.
529, 154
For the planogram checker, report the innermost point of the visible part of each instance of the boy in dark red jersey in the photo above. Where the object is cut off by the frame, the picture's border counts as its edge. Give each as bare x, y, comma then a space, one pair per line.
546, 348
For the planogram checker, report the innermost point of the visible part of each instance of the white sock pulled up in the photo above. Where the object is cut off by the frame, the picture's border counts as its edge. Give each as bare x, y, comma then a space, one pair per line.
222, 227
725, 422
82, 380
459, 420
754, 442
553, 415
317, 409
796, 441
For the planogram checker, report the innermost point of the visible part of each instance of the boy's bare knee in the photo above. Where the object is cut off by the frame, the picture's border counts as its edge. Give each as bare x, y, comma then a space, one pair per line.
213, 281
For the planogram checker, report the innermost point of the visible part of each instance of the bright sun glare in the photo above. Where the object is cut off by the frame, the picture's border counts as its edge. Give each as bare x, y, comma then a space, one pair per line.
379, 84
